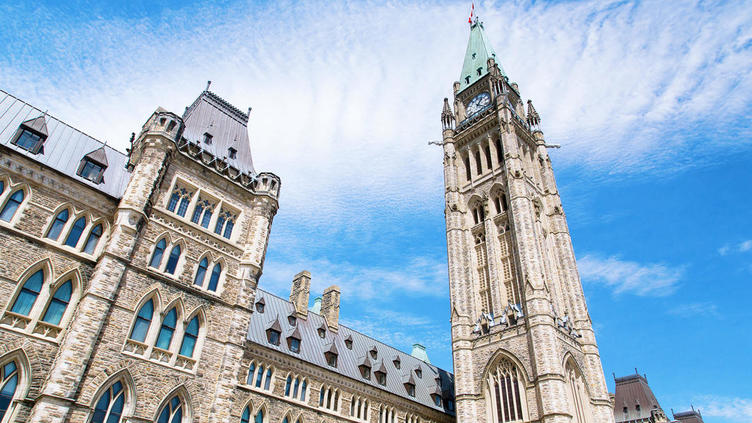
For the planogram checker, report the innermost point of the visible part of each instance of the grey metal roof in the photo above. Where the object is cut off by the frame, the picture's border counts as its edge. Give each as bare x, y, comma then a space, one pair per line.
312, 348
633, 390
64, 147
227, 125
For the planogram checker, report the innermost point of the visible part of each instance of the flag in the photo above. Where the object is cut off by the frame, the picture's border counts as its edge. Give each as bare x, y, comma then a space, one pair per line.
472, 9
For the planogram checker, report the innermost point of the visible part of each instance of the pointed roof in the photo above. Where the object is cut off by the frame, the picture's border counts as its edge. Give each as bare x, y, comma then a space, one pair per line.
98, 156
478, 52
38, 124
633, 391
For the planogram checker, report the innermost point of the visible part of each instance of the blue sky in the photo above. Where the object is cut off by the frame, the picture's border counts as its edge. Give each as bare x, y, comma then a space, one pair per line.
650, 101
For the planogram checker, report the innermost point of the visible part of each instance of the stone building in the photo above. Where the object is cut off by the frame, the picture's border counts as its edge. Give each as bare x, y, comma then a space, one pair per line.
129, 286
130, 282
522, 340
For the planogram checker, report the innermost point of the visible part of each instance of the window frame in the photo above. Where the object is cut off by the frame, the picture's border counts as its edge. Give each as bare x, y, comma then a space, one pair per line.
39, 143
6, 197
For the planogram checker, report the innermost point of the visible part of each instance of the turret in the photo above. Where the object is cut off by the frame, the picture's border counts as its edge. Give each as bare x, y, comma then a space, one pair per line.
447, 117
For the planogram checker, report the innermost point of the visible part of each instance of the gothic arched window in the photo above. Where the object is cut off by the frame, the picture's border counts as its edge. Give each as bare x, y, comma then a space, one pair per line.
167, 329
179, 200
29, 293
203, 265
214, 280
189, 338
506, 393
259, 416
172, 261
246, 416
172, 412
9, 381
11, 206
93, 239
143, 321
58, 304
109, 408
156, 257
579, 398
57, 225
75, 234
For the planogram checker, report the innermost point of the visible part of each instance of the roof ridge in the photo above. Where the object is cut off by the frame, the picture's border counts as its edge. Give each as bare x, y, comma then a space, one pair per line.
47, 114
243, 117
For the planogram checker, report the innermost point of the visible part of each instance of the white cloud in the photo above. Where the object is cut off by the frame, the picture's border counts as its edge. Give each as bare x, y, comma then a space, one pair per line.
741, 247
734, 409
704, 309
417, 277
346, 95
630, 277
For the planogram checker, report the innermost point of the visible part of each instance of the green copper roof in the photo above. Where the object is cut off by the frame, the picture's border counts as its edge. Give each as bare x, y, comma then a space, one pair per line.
478, 52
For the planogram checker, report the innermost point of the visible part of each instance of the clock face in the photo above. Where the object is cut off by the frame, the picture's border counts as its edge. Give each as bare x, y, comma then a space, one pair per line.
478, 103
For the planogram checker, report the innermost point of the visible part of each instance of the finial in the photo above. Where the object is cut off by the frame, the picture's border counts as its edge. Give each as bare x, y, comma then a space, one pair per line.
447, 117
533, 119
208, 84
249, 110
636, 372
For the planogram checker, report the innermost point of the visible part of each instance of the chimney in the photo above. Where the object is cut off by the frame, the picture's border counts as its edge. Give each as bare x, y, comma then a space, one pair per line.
419, 352
316, 305
330, 307
300, 292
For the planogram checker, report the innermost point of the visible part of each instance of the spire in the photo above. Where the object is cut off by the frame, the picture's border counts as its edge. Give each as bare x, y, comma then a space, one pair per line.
478, 52
533, 119
447, 117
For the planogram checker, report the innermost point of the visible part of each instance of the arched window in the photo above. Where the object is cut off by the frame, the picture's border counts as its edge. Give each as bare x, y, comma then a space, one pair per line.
506, 394
93, 239
9, 381
172, 411
246, 416
259, 416
189, 338
172, 262
578, 396
203, 265
12, 205
76, 231
29, 293
225, 223
57, 226
167, 330
58, 304
156, 258
179, 200
143, 321
214, 280
109, 408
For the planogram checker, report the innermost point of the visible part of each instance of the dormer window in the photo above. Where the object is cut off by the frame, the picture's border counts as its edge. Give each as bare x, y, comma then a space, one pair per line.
419, 372
260, 305
410, 388
322, 332
273, 336
467, 79
294, 345
31, 135
436, 399
374, 353
365, 371
331, 359
397, 362
233, 153
380, 378
348, 342
480, 70
292, 320
93, 165
207, 138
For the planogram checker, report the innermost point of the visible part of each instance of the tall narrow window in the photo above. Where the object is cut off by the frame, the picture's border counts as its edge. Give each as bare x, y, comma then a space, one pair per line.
29, 293
2, 187
93, 239
11, 206
468, 175
143, 321
505, 394
167, 330
260, 376
303, 390
172, 412
197, 212
225, 223
8, 385
246, 416
214, 280
228, 229
487, 150
75, 234
220, 225
499, 151
58, 304
189, 339
478, 163
57, 226
156, 258
172, 262
259, 417
268, 380
251, 373
201, 272
109, 408
288, 384
179, 200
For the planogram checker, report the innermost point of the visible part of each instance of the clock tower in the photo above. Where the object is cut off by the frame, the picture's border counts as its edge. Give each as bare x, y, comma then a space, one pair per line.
523, 345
